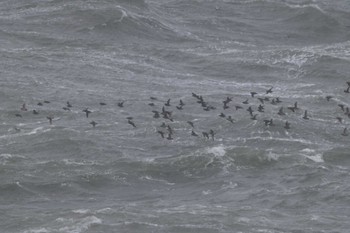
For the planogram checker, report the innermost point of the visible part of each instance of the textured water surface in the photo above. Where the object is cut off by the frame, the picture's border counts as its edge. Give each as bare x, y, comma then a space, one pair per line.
124, 59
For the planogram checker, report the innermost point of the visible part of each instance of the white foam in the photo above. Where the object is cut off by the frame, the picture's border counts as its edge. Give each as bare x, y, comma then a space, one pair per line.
37, 130
81, 211
230, 185
315, 6
272, 156
78, 163
105, 211
218, 151
5, 156
78, 226
206, 192
38, 230
312, 155
157, 180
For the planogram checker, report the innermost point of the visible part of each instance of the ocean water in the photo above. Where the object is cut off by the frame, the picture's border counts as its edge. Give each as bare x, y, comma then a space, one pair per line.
135, 55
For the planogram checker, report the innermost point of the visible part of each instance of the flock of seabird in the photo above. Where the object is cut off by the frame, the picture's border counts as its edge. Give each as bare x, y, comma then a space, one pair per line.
166, 131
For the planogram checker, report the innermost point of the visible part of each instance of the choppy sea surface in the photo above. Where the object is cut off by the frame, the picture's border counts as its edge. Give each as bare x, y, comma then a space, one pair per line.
122, 60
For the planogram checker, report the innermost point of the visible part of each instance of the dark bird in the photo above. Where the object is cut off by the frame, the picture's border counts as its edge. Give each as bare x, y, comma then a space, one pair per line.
103, 104
225, 106
170, 130
167, 103
129, 118
278, 100
245, 102
181, 103
93, 123
287, 125
153, 98
170, 137
347, 90
261, 100
348, 83
161, 133
203, 104
205, 134
230, 119
228, 99
87, 112
269, 90
250, 110
296, 105
339, 119
69, 105
345, 132
195, 95
156, 114
341, 106
238, 107
211, 132
131, 123
200, 99
305, 115
66, 108
207, 108
50, 118
190, 123
273, 101
40, 104
151, 104
18, 115
46, 102
328, 97
194, 134
121, 104
179, 107
166, 114
222, 115
24, 107
35, 112
261, 108
253, 93
291, 108
268, 122
280, 112
254, 117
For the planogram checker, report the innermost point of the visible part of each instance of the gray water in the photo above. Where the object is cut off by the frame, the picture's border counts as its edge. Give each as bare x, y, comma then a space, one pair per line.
251, 177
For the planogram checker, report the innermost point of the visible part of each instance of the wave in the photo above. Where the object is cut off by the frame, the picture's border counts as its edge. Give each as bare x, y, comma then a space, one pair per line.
10, 158
76, 225
120, 24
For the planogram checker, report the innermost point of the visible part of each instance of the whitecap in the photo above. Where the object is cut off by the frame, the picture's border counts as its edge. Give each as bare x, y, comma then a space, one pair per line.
206, 192
218, 151
157, 180
81, 211
5, 156
312, 155
78, 226
105, 211
38, 230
